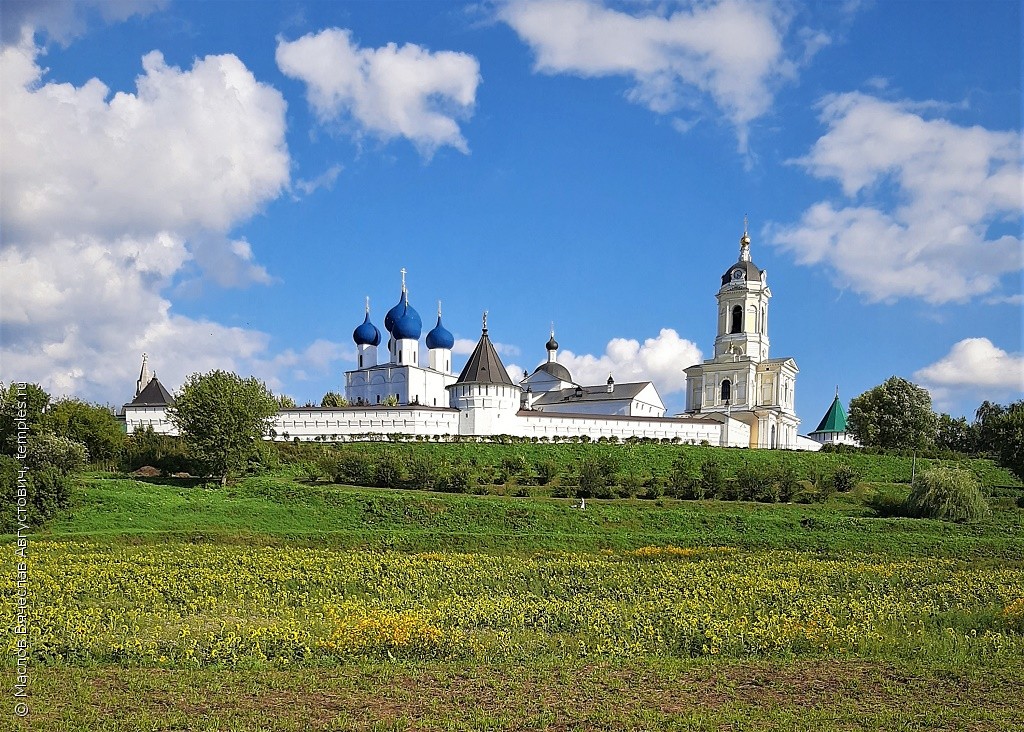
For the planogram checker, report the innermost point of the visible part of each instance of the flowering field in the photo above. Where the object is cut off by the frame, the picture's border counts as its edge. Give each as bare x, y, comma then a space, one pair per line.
193, 605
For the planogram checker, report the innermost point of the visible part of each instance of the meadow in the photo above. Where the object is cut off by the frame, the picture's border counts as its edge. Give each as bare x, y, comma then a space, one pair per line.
281, 603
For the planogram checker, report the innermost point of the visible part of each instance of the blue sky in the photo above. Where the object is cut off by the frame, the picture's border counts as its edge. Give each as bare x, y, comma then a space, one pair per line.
221, 185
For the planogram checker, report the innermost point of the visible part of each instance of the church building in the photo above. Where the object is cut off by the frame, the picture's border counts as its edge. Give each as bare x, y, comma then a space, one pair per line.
740, 397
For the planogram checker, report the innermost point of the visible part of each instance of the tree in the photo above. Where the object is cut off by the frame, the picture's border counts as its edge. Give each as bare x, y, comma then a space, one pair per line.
955, 434
47, 451
333, 399
950, 494
986, 419
895, 415
285, 402
222, 418
93, 425
18, 404
1005, 432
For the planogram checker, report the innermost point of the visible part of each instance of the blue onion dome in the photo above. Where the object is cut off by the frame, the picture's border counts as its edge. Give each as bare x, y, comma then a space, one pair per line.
395, 312
366, 334
439, 337
407, 324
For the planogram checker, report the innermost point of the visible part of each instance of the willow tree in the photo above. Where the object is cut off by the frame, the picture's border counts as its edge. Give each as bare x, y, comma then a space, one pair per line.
222, 418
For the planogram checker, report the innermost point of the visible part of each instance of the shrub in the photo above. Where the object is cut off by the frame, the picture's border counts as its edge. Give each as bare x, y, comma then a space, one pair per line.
49, 492
515, 468
785, 482
62, 454
595, 476
351, 466
684, 478
756, 484
547, 471
950, 494
389, 471
845, 478
456, 479
712, 479
630, 484
146, 447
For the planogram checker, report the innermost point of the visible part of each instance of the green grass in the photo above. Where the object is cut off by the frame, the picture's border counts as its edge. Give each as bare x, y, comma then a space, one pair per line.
885, 683
284, 510
657, 459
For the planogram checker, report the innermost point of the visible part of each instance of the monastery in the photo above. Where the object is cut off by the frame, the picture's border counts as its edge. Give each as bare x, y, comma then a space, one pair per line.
740, 397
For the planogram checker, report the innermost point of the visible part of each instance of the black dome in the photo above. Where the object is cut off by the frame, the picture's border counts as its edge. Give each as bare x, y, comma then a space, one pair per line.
749, 270
555, 369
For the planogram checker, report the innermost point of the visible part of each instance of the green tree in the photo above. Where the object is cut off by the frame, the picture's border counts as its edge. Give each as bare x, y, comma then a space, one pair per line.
93, 425
333, 399
285, 402
1006, 434
950, 494
17, 405
955, 434
222, 418
894, 415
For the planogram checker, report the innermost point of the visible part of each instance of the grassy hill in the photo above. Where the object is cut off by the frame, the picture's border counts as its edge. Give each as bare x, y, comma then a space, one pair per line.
281, 603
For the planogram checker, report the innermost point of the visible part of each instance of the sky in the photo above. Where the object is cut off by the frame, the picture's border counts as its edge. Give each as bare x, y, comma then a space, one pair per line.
220, 185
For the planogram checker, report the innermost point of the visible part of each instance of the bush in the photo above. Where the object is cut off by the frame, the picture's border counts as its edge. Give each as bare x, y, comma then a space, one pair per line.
62, 454
456, 479
547, 471
630, 484
756, 484
595, 476
712, 479
47, 490
785, 482
950, 494
684, 478
146, 447
389, 471
349, 466
845, 478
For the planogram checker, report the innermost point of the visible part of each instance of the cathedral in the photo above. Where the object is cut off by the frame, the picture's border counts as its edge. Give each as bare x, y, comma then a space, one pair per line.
740, 397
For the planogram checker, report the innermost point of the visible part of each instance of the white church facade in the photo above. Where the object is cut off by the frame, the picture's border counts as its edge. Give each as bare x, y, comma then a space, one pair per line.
740, 397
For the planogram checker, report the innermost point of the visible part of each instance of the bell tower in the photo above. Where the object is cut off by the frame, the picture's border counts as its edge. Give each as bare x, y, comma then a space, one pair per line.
743, 309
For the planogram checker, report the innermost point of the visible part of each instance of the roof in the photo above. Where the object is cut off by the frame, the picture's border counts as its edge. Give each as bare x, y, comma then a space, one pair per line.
617, 417
749, 269
153, 395
623, 392
555, 369
834, 419
484, 366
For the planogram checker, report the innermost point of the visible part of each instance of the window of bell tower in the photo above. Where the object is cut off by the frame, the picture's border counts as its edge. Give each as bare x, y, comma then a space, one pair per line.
726, 390
737, 319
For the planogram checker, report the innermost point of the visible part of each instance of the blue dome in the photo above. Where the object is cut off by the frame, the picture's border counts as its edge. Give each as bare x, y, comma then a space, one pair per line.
407, 323
366, 334
439, 337
395, 312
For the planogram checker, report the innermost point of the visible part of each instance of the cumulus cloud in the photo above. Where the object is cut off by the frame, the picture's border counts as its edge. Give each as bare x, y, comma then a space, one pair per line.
392, 91
661, 360
922, 196
976, 363
731, 51
107, 200
63, 20
976, 369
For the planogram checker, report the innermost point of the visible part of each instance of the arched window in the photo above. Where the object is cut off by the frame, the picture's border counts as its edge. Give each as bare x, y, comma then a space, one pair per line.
737, 319
726, 390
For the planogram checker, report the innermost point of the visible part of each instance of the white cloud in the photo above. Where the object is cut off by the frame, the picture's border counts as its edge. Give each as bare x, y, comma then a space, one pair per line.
388, 92
107, 200
731, 51
661, 360
922, 195
974, 368
63, 20
324, 180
